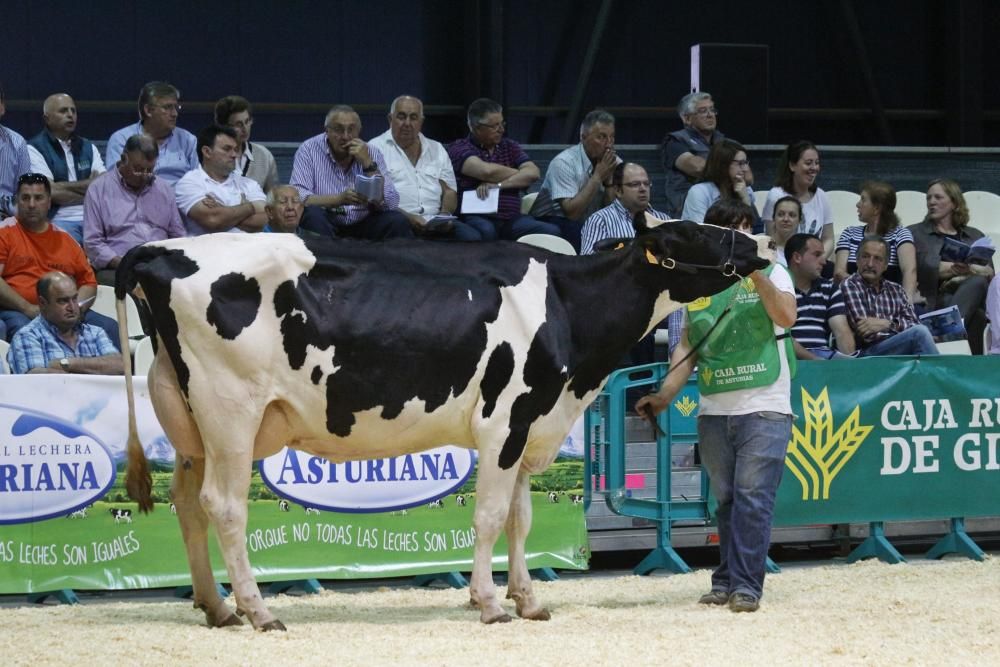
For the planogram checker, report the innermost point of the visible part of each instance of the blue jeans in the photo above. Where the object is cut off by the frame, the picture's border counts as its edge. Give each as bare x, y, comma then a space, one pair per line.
13, 320
915, 340
744, 456
510, 230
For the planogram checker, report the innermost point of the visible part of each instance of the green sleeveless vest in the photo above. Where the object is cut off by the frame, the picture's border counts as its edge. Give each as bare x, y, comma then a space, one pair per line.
742, 352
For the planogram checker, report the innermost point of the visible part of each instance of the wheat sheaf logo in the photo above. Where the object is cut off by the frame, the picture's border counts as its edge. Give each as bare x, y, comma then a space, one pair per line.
818, 454
686, 406
706, 376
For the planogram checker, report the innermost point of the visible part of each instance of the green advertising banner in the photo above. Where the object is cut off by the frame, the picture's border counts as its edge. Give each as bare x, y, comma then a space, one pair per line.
66, 521
893, 438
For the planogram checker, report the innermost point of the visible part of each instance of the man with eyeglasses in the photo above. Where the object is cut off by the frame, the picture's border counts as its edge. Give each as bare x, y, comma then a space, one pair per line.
332, 170
33, 247
631, 187
686, 150
126, 207
158, 110
69, 161
14, 161
578, 180
487, 160
252, 160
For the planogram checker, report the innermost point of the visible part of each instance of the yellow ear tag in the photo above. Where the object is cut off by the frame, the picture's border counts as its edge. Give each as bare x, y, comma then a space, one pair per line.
651, 258
619, 246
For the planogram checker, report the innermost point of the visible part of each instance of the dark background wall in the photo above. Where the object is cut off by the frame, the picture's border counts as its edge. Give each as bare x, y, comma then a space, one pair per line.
898, 72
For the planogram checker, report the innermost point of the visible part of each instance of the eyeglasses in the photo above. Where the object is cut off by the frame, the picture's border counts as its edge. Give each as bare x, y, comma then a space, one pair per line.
242, 124
742, 164
176, 108
341, 129
638, 184
32, 178
709, 111
496, 127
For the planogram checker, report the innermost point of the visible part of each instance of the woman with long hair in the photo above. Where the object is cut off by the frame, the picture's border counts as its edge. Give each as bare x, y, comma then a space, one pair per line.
951, 283
725, 176
787, 216
797, 170
877, 210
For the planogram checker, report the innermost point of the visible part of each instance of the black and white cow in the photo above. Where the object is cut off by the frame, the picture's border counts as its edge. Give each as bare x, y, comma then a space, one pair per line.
359, 350
282, 505
121, 514
460, 500
553, 497
436, 504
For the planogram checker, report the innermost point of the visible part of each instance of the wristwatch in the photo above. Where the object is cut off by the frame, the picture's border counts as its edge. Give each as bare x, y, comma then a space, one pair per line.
64, 364
370, 168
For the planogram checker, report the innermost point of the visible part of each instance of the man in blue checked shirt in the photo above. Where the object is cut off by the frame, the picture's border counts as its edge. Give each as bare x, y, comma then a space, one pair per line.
57, 341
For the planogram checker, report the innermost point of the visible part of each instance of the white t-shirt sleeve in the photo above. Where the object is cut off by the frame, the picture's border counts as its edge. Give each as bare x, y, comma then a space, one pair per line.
38, 163
252, 190
188, 192
96, 163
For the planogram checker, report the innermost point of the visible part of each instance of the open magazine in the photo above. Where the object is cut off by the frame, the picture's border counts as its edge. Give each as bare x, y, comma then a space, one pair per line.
979, 251
945, 324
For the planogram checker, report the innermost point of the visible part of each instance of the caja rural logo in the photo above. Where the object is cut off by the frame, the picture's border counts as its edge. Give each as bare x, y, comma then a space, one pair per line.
817, 453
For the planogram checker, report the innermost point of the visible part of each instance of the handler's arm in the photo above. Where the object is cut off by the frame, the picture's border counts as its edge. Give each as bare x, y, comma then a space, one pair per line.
680, 371
780, 306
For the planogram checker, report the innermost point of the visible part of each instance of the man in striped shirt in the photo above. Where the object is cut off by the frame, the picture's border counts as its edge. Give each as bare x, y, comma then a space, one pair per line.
14, 161
819, 303
328, 170
879, 311
631, 186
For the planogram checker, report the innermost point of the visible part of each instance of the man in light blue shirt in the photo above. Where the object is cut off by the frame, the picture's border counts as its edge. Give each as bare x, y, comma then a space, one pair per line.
14, 161
158, 111
58, 341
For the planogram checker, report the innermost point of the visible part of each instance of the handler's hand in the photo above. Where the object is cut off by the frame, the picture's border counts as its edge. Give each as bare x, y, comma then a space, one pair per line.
653, 402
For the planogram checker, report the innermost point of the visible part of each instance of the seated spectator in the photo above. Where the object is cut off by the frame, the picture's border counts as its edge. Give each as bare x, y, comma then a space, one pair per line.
724, 178
421, 171
69, 161
14, 161
487, 160
33, 247
631, 186
57, 340
578, 180
213, 197
819, 303
685, 151
325, 172
797, 170
252, 160
126, 207
879, 311
787, 216
946, 283
877, 209
159, 107
284, 209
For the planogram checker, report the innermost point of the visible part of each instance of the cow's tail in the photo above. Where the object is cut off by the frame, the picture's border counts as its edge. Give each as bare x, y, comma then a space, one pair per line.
138, 482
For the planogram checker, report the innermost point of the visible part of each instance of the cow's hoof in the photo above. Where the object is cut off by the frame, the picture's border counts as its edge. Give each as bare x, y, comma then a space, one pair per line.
473, 604
503, 617
273, 625
541, 615
232, 619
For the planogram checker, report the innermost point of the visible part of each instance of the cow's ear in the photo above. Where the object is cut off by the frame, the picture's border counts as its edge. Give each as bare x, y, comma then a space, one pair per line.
652, 247
639, 223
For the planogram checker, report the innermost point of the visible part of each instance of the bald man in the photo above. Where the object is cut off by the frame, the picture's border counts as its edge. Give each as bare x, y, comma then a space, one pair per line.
69, 161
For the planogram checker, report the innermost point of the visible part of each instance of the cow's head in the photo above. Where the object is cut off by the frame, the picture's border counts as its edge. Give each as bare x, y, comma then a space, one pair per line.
695, 260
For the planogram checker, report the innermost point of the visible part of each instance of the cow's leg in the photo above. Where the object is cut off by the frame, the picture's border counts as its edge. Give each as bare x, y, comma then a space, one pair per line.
518, 527
189, 471
224, 497
493, 493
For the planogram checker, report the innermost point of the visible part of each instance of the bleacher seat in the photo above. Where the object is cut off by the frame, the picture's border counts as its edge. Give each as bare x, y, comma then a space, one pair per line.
984, 213
527, 201
845, 210
549, 242
4, 346
143, 356
911, 207
960, 346
105, 305
759, 199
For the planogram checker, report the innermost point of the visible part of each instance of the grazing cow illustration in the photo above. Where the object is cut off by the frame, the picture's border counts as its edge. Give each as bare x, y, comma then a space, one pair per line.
359, 350
310, 510
121, 514
576, 498
173, 508
436, 504
553, 497
282, 505
79, 514
460, 500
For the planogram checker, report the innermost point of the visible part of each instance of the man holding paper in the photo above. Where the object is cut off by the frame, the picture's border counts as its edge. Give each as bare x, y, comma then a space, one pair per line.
345, 184
492, 173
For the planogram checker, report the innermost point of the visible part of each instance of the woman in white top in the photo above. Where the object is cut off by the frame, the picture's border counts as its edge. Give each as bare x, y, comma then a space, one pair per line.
797, 170
724, 177
787, 216
877, 209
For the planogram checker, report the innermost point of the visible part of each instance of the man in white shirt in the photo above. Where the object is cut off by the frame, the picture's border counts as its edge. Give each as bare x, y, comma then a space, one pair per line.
68, 160
420, 169
213, 197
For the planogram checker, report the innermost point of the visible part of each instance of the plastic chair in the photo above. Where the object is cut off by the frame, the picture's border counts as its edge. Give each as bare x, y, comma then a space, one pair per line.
549, 242
984, 213
911, 207
143, 356
759, 199
527, 201
987, 338
105, 305
4, 346
960, 346
844, 205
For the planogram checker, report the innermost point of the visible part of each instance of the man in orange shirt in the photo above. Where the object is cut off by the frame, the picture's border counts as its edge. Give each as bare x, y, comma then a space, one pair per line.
33, 247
